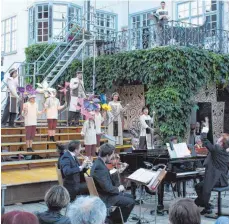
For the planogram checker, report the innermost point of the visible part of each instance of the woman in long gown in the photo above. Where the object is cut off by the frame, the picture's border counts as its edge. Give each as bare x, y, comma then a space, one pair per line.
115, 120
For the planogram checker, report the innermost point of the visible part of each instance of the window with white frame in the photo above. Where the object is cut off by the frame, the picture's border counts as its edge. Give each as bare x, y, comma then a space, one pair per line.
106, 24
42, 23
8, 37
48, 21
194, 11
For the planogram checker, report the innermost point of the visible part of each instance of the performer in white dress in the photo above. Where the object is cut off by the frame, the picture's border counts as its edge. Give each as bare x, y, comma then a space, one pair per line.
89, 133
115, 120
76, 91
146, 134
52, 105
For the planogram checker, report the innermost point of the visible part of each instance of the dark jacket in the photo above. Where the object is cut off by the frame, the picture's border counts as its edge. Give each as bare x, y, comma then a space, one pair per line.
53, 217
71, 173
103, 182
216, 165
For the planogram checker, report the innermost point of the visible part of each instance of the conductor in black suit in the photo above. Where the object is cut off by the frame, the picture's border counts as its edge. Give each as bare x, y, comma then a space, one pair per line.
216, 169
72, 171
108, 192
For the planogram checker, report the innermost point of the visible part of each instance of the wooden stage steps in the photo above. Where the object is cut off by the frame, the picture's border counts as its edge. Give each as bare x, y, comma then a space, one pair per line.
28, 180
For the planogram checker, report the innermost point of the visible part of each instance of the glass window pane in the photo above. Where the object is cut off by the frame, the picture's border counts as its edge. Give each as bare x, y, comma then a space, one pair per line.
3, 27
60, 11
13, 41
45, 15
7, 43
39, 24
8, 25
39, 15
39, 32
39, 8
45, 38
14, 23
46, 8
39, 39
45, 25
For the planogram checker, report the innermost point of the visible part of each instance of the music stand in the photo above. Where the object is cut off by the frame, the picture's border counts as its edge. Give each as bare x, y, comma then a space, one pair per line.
152, 182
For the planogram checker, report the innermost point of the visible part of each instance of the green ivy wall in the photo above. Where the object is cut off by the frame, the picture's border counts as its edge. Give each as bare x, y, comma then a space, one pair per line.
172, 75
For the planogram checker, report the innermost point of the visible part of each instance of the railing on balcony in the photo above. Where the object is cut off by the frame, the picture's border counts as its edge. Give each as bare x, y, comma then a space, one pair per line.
173, 33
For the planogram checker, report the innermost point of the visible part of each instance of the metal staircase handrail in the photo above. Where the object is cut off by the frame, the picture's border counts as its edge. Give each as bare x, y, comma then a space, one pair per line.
60, 43
52, 53
80, 47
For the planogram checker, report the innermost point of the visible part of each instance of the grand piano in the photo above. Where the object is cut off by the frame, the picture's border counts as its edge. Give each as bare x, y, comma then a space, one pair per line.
179, 170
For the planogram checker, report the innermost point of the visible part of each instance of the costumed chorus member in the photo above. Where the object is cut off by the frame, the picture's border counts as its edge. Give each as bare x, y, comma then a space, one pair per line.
89, 133
11, 107
110, 194
115, 128
76, 91
216, 169
146, 133
30, 113
98, 122
52, 105
72, 171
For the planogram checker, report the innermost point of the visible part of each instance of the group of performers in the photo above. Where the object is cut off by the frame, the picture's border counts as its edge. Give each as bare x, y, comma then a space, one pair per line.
215, 164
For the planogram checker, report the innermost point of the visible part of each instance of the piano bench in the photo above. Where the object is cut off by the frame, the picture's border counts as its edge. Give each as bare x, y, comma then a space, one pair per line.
220, 190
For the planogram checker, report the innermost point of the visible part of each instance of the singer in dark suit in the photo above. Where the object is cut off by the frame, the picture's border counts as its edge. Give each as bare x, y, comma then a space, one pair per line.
72, 171
216, 169
108, 192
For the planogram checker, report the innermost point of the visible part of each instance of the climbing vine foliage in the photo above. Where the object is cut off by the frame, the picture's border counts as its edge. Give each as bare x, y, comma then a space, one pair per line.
172, 76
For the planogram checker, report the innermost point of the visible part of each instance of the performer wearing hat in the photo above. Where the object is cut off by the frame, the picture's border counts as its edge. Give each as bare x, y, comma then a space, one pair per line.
30, 113
146, 141
76, 91
52, 105
115, 120
89, 133
11, 108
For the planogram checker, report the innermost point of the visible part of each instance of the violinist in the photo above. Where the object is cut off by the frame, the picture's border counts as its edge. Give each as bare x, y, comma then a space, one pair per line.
72, 172
108, 192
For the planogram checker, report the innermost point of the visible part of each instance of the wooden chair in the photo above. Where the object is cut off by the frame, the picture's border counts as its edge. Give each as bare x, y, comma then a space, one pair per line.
59, 175
93, 192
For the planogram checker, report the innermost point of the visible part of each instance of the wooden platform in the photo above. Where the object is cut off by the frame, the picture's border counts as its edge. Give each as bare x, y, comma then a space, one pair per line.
28, 185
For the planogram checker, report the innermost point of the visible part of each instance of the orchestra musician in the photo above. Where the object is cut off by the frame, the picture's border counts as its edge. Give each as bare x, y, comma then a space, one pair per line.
216, 168
108, 192
72, 172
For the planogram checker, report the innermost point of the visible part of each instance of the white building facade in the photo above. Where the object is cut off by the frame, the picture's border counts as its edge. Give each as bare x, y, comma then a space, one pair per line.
26, 22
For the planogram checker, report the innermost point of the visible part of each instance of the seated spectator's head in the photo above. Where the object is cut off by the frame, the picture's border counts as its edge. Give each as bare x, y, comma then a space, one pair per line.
223, 141
184, 211
57, 198
75, 147
106, 151
19, 217
222, 220
89, 210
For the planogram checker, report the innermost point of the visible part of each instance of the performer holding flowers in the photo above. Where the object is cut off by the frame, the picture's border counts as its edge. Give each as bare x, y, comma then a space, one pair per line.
115, 120
52, 105
146, 141
30, 113
89, 133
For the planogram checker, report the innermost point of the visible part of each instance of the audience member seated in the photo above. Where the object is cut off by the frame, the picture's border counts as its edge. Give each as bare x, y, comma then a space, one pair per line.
108, 192
56, 198
19, 217
87, 210
135, 145
184, 211
222, 220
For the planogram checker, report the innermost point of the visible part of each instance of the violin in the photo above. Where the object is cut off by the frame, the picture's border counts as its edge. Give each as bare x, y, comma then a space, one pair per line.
115, 163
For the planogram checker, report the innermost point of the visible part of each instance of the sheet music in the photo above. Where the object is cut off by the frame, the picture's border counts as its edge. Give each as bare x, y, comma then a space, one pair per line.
181, 150
143, 175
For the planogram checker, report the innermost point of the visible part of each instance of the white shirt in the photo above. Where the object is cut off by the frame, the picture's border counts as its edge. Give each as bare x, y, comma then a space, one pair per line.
89, 132
144, 125
161, 13
31, 114
52, 105
12, 84
98, 121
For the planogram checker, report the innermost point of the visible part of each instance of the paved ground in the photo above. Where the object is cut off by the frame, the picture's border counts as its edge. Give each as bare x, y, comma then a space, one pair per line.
148, 205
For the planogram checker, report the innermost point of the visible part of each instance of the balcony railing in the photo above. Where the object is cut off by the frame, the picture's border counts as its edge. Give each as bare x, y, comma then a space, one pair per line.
172, 33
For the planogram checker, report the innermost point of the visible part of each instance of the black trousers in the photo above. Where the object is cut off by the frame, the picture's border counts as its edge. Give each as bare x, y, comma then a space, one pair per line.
7, 115
83, 190
73, 116
204, 195
126, 203
142, 143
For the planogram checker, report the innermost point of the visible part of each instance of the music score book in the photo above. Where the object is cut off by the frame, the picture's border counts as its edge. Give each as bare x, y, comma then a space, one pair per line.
179, 150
